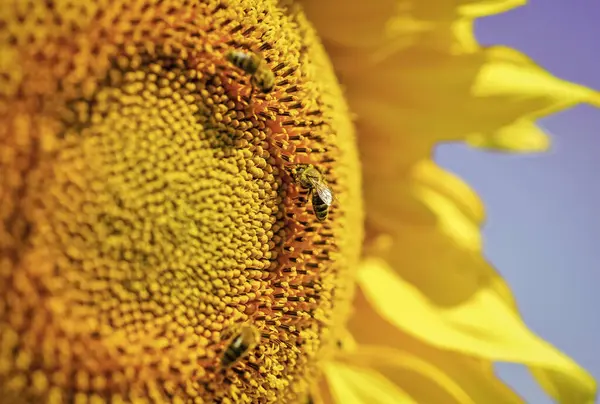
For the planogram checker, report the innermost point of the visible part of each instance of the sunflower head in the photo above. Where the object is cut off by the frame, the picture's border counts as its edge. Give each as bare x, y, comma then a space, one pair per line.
181, 215
148, 207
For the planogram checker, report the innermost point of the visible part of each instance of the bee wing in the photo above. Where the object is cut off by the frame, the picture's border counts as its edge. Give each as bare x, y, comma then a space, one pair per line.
324, 192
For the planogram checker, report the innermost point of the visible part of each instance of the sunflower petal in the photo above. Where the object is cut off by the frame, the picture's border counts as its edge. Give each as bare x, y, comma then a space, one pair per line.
355, 24
510, 73
397, 360
473, 376
458, 209
480, 8
430, 199
558, 386
447, 230
428, 94
482, 325
356, 385
523, 136
392, 24
424, 93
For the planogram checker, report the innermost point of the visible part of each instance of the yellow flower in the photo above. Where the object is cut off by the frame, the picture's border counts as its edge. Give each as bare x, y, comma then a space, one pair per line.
148, 209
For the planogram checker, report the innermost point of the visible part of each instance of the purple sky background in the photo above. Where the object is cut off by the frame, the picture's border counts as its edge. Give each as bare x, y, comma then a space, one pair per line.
543, 233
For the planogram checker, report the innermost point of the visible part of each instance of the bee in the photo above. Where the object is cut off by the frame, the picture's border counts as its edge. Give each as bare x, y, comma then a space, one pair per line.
243, 342
309, 177
253, 64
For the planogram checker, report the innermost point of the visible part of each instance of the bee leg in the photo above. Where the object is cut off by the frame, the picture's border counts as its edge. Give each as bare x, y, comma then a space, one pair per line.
252, 87
300, 198
305, 197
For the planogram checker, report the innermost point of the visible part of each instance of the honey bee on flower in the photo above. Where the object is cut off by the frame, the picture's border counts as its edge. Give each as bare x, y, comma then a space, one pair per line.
253, 64
241, 344
309, 177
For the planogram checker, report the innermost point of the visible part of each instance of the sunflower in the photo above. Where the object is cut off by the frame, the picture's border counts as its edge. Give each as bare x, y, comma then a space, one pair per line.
153, 209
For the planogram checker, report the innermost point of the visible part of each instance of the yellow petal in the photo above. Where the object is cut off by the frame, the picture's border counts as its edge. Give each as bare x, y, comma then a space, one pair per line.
396, 361
509, 73
447, 224
367, 24
475, 377
356, 385
482, 325
434, 211
429, 93
480, 8
558, 386
430, 199
354, 23
457, 207
523, 136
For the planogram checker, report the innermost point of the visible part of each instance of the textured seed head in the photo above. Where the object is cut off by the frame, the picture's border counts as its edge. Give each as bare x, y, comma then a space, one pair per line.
147, 210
